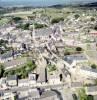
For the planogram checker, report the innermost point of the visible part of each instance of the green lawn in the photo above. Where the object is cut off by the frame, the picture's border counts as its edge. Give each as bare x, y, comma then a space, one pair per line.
3, 21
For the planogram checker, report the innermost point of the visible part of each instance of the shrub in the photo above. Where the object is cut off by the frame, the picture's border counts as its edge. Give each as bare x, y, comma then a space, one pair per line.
37, 25
24, 26
92, 19
93, 66
78, 49
77, 16
57, 20
16, 19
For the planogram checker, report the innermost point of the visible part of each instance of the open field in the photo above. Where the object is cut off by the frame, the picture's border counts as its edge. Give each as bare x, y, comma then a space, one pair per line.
51, 12
21, 13
3, 21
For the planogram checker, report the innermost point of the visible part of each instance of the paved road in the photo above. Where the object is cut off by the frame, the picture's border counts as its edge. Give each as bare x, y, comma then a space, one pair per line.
44, 86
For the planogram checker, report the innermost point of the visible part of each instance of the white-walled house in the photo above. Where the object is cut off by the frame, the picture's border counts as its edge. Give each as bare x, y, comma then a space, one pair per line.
88, 72
53, 79
23, 82
26, 82
9, 56
7, 95
92, 90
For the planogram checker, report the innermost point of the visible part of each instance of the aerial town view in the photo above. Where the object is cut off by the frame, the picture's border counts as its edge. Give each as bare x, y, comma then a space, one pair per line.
48, 49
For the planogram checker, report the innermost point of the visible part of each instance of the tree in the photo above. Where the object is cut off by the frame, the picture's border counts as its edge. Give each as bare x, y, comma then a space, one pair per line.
16, 19
93, 66
23, 26
77, 16
78, 49
92, 19
23, 71
74, 96
51, 68
95, 27
31, 66
37, 25
82, 94
90, 97
57, 20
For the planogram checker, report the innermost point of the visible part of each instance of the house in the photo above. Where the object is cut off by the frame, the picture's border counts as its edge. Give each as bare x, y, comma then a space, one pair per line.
31, 80
42, 34
7, 95
73, 34
88, 72
15, 63
49, 95
32, 76
3, 84
76, 85
60, 47
92, 90
23, 82
77, 58
9, 56
12, 80
29, 94
53, 79
93, 33
34, 93
65, 73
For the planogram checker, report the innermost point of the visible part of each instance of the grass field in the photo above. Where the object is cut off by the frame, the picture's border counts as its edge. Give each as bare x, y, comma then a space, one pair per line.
52, 12
3, 21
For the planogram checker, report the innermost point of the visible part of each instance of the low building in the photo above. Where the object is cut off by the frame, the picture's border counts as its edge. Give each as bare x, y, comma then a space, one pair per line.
53, 79
32, 78
88, 72
7, 95
92, 90
9, 56
78, 58
3, 84
49, 95
76, 85
42, 34
93, 33
72, 34
12, 80
23, 82
26, 82
29, 94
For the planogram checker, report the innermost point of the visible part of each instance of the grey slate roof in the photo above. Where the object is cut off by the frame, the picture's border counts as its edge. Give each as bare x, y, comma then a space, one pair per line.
76, 84
89, 69
13, 77
23, 81
32, 94
43, 32
8, 54
75, 57
48, 95
92, 89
